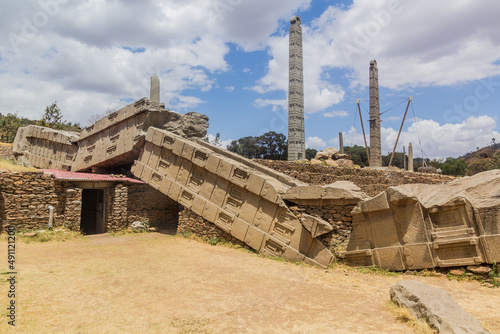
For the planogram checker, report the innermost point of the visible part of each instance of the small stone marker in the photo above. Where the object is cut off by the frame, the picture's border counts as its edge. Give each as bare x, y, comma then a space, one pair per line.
436, 306
155, 89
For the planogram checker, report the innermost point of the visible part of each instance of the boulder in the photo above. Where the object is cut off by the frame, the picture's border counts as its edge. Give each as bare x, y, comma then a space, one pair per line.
339, 155
457, 271
435, 306
331, 163
327, 153
316, 162
345, 163
479, 270
190, 125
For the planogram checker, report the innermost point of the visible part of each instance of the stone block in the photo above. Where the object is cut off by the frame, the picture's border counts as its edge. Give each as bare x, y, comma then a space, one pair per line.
436, 307
225, 190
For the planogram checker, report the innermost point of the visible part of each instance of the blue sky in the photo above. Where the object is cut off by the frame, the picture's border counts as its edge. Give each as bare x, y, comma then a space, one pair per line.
228, 59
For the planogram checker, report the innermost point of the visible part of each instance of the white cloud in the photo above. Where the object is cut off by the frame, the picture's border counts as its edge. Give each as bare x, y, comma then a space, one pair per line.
95, 55
276, 104
437, 140
223, 143
315, 143
414, 46
339, 113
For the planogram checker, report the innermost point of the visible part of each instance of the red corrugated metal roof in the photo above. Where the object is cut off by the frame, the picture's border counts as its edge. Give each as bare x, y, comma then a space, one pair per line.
75, 176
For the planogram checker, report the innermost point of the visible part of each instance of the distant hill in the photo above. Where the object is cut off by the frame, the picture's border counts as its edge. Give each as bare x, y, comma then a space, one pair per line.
484, 159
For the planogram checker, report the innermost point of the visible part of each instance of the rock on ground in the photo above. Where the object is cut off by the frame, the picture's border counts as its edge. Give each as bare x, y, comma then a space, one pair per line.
436, 306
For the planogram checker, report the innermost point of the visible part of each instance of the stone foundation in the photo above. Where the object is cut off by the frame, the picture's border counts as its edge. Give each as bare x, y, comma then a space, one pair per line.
25, 198
190, 222
371, 181
339, 216
149, 203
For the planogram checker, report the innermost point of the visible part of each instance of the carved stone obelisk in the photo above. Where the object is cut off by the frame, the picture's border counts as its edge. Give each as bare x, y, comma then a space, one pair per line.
296, 131
375, 140
341, 142
410, 157
155, 89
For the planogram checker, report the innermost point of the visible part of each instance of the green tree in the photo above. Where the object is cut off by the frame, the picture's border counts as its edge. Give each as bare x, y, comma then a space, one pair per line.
270, 145
216, 142
454, 167
273, 146
9, 125
52, 118
246, 146
358, 155
311, 153
397, 161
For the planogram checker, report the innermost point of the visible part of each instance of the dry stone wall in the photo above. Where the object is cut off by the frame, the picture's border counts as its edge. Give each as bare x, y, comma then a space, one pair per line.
190, 222
338, 215
146, 202
129, 203
25, 198
371, 181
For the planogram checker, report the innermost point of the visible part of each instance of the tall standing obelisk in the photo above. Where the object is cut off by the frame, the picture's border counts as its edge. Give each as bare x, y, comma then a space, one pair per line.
375, 140
296, 131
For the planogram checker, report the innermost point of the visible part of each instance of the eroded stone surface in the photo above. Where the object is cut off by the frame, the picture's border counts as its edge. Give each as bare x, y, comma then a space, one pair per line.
46, 148
426, 226
435, 306
239, 199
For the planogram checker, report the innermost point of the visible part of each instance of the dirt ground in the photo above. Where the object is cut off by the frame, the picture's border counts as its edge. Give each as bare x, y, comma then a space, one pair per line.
156, 283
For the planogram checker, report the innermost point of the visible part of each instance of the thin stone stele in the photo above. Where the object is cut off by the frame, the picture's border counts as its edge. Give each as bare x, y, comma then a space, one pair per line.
375, 140
296, 131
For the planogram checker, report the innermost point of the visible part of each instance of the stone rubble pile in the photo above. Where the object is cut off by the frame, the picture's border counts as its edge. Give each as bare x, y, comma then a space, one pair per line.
332, 157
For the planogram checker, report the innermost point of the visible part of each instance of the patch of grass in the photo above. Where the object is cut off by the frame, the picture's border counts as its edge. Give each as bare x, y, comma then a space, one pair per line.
426, 273
213, 240
377, 271
495, 275
57, 234
185, 234
11, 166
195, 326
404, 315
127, 232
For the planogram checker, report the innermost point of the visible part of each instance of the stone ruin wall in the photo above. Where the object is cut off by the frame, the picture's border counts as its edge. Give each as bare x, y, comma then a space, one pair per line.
191, 223
146, 202
6, 151
371, 181
26, 196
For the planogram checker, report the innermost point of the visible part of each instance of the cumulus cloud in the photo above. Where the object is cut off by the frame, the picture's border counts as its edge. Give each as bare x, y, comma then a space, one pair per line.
339, 113
223, 143
435, 140
315, 143
276, 104
95, 55
410, 53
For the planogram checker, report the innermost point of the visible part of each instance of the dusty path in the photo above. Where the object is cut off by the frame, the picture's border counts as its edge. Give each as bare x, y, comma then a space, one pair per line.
163, 284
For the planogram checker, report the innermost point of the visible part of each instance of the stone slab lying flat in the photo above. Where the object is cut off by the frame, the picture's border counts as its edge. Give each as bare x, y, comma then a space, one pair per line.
435, 306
